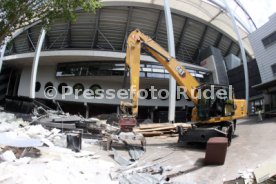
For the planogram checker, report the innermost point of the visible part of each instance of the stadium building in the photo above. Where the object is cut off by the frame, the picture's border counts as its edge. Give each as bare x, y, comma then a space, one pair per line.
89, 53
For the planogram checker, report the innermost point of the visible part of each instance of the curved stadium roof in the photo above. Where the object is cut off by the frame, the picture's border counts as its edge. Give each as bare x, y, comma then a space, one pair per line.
197, 25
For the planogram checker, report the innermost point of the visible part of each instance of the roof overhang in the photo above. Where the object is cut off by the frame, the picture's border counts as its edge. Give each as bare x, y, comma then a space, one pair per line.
54, 57
266, 85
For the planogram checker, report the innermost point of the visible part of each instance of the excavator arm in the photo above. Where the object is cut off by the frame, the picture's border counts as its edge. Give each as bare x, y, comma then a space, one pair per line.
135, 42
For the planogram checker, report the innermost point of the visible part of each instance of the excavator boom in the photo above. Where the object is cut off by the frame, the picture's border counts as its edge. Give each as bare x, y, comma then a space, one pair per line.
135, 42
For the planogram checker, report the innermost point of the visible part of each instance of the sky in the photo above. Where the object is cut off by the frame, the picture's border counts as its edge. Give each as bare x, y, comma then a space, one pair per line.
260, 10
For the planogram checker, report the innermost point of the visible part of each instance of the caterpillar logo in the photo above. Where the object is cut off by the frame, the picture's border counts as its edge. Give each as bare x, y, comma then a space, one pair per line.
180, 71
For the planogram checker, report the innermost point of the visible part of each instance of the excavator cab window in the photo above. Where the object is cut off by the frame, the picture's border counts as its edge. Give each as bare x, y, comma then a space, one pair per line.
215, 101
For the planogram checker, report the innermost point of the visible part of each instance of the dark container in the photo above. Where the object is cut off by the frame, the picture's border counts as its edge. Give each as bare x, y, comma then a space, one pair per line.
216, 151
74, 141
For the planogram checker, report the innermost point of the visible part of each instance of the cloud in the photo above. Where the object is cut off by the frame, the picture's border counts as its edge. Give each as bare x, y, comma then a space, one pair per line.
260, 11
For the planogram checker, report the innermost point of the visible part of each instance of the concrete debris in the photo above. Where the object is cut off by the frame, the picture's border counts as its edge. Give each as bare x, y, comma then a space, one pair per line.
8, 156
139, 178
38, 155
11, 139
147, 173
23, 152
9, 122
135, 152
264, 173
247, 176
65, 121
266, 170
120, 160
111, 119
7, 117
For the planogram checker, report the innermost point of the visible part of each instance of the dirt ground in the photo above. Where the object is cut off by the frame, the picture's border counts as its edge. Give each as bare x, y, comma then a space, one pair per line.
254, 143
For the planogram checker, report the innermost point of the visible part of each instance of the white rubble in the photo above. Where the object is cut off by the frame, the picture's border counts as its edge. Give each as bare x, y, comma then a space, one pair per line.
56, 164
8, 156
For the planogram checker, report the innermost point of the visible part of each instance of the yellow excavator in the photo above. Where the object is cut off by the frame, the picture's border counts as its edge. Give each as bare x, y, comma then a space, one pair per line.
211, 117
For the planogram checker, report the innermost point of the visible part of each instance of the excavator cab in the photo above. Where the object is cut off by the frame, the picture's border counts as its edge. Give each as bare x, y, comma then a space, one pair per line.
215, 101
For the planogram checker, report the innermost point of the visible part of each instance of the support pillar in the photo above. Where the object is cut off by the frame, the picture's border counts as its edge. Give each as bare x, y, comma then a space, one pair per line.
171, 47
151, 114
118, 110
35, 62
245, 68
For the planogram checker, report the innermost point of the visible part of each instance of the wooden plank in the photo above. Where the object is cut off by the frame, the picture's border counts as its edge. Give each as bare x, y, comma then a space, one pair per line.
155, 129
151, 134
153, 125
160, 125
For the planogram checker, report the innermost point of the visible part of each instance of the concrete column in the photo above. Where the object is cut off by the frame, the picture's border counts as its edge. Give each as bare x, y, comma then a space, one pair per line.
86, 110
118, 110
171, 46
35, 62
245, 68
151, 114
2, 52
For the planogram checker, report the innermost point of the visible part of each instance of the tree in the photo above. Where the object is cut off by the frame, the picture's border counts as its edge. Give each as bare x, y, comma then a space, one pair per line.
15, 14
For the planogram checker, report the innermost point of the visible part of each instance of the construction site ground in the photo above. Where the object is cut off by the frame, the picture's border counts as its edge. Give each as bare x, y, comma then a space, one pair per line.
254, 143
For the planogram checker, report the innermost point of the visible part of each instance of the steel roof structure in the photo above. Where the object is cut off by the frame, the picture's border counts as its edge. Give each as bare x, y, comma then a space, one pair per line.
197, 25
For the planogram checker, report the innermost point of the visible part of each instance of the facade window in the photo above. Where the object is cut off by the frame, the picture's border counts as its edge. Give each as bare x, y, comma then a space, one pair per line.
270, 39
163, 95
116, 69
94, 89
62, 88
273, 67
37, 86
49, 87
78, 89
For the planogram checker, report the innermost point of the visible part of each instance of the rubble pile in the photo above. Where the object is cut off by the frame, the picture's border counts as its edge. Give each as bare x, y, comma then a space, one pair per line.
140, 171
264, 173
65, 121
30, 153
139, 168
33, 154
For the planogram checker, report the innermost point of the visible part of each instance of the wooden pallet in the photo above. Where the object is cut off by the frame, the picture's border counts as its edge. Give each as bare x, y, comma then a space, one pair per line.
158, 129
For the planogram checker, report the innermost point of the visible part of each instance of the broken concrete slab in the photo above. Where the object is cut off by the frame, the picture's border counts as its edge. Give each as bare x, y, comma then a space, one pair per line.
9, 139
135, 152
265, 170
119, 159
8, 156
139, 178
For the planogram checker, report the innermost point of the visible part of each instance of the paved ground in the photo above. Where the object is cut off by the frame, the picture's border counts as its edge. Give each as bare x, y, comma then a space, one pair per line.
253, 144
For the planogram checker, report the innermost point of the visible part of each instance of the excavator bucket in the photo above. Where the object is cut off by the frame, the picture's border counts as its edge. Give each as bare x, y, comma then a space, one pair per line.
127, 123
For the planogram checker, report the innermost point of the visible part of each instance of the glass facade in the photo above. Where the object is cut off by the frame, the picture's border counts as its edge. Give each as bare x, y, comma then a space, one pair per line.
273, 101
117, 69
256, 106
